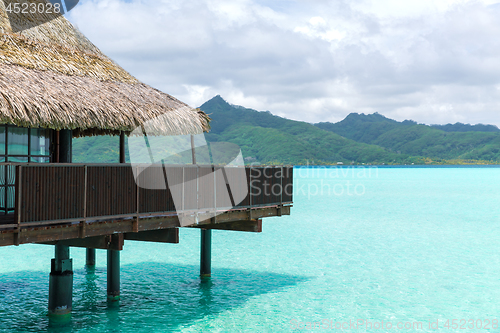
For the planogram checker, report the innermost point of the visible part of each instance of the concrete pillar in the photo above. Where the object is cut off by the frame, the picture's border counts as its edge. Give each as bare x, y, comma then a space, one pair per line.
61, 283
206, 253
113, 275
90, 257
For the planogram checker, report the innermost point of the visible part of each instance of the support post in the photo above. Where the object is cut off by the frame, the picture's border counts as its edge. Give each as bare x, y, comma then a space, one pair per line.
61, 271
113, 275
206, 253
65, 146
61, 283
90, 257
122, 147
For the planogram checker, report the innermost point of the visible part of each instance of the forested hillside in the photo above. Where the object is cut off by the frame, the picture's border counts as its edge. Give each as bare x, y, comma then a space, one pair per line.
266, 138
444, 142
370, 139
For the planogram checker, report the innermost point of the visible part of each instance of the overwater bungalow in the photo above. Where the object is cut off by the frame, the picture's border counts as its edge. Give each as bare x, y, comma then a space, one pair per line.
56, 85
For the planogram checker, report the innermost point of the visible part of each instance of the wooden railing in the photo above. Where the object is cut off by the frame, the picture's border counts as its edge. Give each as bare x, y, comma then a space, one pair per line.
64, 193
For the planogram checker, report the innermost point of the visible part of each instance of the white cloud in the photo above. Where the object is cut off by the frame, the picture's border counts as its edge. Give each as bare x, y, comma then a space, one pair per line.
414, 8
317, 27
431, 61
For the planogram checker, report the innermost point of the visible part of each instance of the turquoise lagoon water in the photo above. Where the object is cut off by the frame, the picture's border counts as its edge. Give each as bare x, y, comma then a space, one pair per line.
398, 245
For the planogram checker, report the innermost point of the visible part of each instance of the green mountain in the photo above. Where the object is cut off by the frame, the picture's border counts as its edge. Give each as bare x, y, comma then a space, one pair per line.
459, 127
96, 149
449, 142
263, 138
268, 139
364, 128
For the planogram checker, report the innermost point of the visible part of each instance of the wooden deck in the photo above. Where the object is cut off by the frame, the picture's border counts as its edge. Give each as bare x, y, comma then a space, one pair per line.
85, 204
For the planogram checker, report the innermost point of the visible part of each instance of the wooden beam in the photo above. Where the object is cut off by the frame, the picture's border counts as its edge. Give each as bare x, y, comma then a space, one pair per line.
244, 214
108, 242
158, 236
244, 225
116, 242
44, 234
71, 231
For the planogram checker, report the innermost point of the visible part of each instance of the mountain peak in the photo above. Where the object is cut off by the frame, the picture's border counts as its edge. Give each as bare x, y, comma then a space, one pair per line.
373, 117
215, 101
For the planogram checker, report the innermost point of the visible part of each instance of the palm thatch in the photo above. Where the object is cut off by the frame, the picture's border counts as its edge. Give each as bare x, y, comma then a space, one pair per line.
52, 76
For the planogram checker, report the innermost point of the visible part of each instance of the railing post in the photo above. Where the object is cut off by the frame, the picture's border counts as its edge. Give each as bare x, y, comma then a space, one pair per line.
84, 221
197, 193
281, 191
183, 189
17, 203
281, 185
215, 193
135, 227
250, 191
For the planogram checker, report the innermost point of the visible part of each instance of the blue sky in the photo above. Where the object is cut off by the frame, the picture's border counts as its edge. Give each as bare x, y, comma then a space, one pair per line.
313, 60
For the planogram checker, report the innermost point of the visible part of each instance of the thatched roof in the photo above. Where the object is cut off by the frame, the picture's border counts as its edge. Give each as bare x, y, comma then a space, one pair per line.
52, 76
